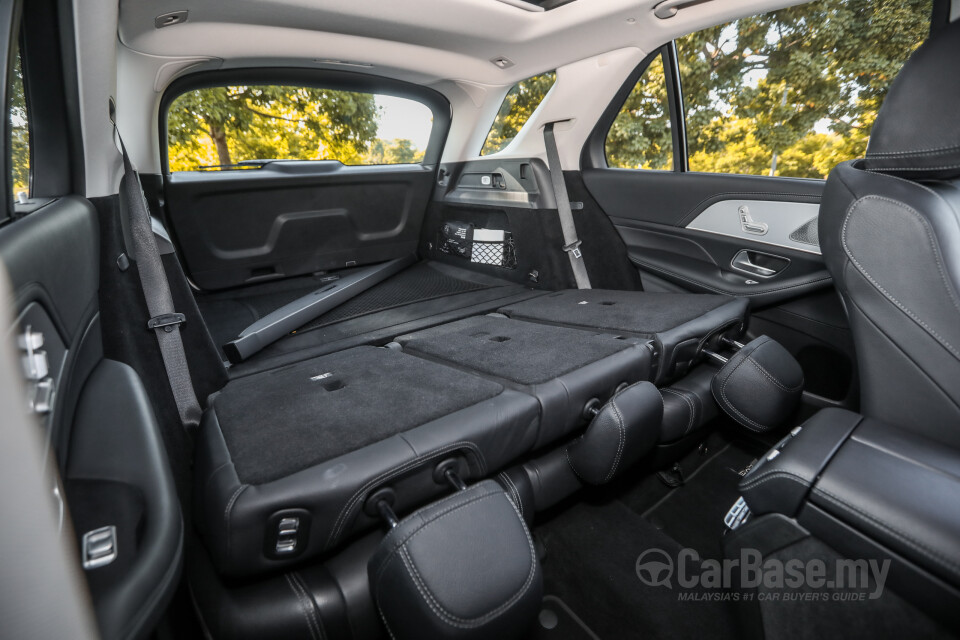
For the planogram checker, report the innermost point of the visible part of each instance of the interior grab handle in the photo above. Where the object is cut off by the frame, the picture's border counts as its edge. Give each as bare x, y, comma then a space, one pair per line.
669, 8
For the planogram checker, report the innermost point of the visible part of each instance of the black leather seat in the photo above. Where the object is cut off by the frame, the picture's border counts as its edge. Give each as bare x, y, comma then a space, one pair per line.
890, 234
309, 443
286, 459
678, 324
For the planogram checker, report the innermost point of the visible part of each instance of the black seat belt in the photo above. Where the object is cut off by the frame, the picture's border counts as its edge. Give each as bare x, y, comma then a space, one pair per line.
164, 320
571, 241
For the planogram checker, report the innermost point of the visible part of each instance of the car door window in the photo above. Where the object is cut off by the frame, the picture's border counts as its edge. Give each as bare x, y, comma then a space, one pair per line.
641, 136
19, 133
794, 92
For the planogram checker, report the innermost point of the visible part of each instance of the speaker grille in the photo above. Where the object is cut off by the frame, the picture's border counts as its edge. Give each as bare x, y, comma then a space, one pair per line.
807, 233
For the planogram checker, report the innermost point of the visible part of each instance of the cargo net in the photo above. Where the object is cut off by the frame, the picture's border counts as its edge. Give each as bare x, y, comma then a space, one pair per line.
478, 245
499, 254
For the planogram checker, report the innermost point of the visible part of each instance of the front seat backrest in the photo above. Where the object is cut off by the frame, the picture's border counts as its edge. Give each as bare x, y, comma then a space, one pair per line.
890, 235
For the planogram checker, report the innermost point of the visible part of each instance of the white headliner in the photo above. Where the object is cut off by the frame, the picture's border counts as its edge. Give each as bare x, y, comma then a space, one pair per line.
446, 44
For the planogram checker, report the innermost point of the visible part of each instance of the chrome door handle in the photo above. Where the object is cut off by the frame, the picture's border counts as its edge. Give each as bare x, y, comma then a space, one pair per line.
744, 263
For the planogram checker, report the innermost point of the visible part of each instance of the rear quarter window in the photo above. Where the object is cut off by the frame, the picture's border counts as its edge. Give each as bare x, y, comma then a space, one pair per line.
517, 107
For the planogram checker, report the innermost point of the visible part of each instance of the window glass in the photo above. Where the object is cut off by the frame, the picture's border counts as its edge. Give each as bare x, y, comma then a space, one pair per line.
796, 91
239, 127
518, 105
640, 137
19, 133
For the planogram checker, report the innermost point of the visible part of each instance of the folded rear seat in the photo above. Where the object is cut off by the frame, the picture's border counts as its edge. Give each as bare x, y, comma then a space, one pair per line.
679, 324
563, 368
286, 459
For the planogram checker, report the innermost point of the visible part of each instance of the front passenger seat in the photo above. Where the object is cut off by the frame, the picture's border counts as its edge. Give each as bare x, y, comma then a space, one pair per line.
890, 234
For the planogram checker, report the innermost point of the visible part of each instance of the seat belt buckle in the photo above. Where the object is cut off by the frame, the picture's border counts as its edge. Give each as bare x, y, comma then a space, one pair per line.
574, 248
167, 321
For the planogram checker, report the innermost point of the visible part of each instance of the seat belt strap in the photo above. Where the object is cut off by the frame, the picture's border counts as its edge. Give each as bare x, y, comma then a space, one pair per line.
571, 243
164, 320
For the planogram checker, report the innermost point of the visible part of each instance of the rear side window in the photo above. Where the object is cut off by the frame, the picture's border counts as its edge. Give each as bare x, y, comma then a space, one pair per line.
640, 137
796, 91
518, 105
19, 133
241, 127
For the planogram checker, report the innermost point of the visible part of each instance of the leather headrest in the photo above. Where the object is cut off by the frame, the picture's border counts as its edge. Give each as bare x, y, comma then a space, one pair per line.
917, 132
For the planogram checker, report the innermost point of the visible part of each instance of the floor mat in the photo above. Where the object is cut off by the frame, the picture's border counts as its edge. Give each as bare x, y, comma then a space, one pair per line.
693, 513
557, 622
592, 555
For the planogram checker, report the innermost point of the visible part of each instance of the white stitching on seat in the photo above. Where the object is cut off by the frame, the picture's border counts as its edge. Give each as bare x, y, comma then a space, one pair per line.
756, 426
918, 152
228, 510
937, 259
769, 376
623, 438
773, 475
438, 609
683, 397
513, 490
305, 606
344, 512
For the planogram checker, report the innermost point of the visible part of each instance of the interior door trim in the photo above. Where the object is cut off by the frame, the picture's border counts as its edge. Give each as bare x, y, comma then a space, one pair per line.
762, 221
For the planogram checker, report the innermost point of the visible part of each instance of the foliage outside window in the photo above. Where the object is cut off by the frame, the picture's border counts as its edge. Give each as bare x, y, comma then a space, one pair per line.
517, 107
19, 133
796, 91
640, 136
240, 126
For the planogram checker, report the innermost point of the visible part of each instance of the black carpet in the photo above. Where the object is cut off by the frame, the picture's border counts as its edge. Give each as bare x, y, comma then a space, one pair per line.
593, 549
637, 312
419, 283
558, 622
591, 563
523, 352
693, 514
279, 422
228, 313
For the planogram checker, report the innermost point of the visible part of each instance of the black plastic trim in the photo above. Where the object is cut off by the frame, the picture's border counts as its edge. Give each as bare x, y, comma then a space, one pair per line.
51, 168
9, 26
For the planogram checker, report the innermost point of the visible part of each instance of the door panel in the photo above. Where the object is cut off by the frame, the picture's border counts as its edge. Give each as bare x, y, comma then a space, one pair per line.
658, 214
685, 232
294, 218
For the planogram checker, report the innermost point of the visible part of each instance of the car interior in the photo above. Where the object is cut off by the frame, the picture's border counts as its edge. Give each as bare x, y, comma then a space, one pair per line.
549, 319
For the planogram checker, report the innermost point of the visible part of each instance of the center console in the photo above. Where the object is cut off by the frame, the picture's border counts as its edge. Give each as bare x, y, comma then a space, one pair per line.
870, 491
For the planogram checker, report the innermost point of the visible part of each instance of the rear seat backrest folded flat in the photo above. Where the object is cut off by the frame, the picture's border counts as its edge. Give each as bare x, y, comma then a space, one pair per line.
678, 323
311, 441
563, 368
